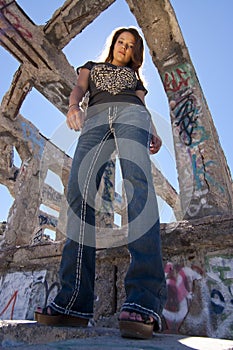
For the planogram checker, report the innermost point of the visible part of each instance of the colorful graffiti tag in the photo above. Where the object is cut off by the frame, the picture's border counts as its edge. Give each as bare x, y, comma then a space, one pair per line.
190, 135
180, 293
220, 283
12, 22
22, 292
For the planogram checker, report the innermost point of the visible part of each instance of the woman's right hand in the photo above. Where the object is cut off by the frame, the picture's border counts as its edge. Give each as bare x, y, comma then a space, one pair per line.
75, 118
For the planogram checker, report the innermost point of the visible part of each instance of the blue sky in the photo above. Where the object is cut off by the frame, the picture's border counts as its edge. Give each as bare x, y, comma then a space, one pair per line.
207, 29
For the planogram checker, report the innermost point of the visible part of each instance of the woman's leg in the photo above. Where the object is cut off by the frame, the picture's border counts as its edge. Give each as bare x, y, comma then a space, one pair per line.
145, 281
77, 269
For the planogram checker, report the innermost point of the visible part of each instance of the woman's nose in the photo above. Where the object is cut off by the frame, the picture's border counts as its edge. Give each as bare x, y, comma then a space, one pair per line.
125, 46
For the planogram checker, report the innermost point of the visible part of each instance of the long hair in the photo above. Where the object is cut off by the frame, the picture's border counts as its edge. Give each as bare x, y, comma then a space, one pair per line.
138, 49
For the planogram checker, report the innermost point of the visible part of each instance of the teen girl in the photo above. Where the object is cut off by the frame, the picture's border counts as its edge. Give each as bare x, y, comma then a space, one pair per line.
116, 119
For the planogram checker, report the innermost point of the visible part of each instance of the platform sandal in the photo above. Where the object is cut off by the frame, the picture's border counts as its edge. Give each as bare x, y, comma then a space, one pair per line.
143, 329
50, 317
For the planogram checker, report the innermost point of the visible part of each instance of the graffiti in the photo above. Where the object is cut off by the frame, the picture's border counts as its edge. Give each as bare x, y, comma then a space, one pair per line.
55, 92
13, 301
15, 174
49, 292
174, 81
217, 301
51, 195
16, 293
186, 113
201, 173
12, 21
180, 293
219, 270
199, 197
27, 290
38, 236
31, 135
47, 221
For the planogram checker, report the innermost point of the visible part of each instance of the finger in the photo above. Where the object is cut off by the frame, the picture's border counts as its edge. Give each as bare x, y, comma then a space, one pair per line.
68, 123
73, 122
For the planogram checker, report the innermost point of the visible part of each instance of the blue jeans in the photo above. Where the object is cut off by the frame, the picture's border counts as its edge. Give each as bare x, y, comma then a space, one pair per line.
125, 128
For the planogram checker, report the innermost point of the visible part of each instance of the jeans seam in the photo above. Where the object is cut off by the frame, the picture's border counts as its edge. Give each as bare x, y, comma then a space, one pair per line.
82, 225
60, 309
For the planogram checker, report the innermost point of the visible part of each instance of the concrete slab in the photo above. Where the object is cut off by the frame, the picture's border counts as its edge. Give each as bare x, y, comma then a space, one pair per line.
28, 335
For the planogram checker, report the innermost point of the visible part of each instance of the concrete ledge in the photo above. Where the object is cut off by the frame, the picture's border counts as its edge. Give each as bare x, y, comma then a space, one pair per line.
21, 332
31, 336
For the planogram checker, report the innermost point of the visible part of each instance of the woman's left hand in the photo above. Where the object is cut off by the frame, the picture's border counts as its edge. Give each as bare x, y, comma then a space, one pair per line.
155, 144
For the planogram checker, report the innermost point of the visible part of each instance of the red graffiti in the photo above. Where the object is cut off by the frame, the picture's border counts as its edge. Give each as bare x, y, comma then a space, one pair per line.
180, 292
14, 21
175, 80
13, 301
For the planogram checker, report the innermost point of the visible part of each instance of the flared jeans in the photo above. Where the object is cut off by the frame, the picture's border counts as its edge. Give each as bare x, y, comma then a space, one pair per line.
126, 129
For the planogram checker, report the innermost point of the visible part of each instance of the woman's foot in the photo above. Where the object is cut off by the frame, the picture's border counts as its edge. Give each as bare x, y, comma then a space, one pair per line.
136, 325
48, 316
133, 316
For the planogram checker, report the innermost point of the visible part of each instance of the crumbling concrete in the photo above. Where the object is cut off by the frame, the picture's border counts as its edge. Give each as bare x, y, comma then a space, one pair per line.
198, 256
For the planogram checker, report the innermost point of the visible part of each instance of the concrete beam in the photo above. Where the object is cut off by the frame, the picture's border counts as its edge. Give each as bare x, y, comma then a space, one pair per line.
70, 19
47, 66
13, 99
166, 191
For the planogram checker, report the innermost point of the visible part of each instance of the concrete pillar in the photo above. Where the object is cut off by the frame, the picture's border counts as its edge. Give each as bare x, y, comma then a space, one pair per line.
203, 174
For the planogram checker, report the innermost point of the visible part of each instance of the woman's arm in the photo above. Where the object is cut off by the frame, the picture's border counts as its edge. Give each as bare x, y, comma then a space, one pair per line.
75, 116
155, 142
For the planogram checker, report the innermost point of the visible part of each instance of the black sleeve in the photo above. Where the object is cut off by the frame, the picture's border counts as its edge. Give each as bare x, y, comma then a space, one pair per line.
140, 86
87, 65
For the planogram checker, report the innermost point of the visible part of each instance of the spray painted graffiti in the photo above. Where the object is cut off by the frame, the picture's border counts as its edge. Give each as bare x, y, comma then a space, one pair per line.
180, 293
186, 113
200, 171
27, 290
220, 283
49, 292
31, 135
176, 80
12, 22
51, 195
56, 92
12, 301
199, 197
15, 293
47, 221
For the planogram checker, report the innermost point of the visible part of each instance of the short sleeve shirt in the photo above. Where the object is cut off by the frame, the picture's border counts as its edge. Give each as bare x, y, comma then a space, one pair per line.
110, 83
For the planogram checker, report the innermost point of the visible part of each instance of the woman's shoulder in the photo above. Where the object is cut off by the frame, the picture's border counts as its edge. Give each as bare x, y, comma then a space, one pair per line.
88, 65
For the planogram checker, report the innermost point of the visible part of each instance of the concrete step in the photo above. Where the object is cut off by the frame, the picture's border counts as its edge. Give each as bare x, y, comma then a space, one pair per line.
28, 335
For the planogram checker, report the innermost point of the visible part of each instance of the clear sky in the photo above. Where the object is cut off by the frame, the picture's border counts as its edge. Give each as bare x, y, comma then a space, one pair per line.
207, 29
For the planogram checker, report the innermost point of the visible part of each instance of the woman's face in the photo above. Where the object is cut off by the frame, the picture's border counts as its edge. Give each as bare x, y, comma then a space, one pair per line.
123, 49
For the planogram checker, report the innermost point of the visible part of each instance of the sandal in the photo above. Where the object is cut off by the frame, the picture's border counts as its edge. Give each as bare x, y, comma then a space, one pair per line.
143, 329
50, 317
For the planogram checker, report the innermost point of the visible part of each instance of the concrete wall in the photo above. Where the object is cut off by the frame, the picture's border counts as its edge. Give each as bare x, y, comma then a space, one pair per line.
198, 267
198, 255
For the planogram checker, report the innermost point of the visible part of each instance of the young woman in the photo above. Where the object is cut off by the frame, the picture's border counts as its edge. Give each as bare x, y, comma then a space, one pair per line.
116, 119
